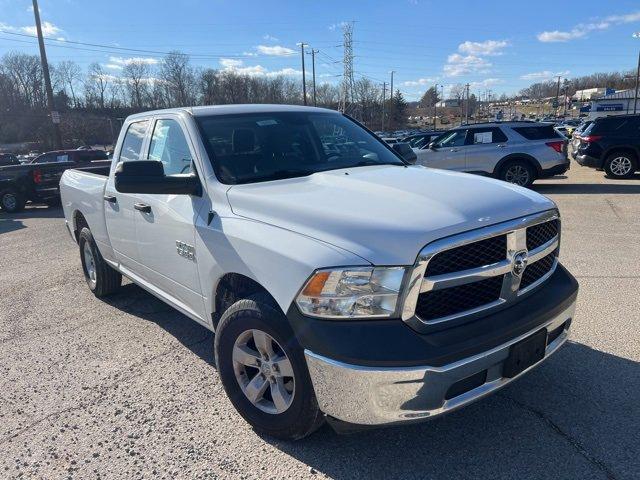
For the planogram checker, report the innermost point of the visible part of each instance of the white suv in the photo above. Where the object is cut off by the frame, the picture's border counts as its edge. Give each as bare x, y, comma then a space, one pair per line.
517, 152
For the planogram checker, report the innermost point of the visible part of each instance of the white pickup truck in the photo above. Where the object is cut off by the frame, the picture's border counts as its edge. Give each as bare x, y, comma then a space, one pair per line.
341, 283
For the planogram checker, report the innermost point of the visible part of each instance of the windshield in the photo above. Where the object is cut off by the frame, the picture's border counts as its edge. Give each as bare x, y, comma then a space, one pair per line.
259, 147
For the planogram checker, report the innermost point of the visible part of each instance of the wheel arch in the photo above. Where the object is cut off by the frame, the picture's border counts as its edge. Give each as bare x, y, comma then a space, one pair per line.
232, 287
79, 221
621, 149
518, 156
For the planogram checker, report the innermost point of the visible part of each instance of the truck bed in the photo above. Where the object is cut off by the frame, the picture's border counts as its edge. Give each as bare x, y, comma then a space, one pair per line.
83, 190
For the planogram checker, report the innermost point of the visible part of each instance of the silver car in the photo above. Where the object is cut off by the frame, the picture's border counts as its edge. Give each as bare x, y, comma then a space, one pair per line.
516, 152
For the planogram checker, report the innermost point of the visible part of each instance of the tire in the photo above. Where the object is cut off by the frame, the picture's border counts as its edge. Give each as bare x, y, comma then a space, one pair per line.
620, 165
101, 278
238, 327
518, 172
11, 201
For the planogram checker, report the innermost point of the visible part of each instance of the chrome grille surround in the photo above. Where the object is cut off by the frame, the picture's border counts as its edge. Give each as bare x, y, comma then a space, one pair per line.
516, 231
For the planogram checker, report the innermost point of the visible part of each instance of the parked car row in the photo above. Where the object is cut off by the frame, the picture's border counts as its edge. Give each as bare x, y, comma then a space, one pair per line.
38, 180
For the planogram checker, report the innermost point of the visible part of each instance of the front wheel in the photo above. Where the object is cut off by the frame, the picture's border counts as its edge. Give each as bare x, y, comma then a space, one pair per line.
518, 172
263, 370
620, 165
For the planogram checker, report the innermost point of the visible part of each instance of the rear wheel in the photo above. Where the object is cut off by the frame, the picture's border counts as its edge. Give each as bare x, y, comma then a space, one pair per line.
101, 278
11, 201
518, 172
263, 370
620, 165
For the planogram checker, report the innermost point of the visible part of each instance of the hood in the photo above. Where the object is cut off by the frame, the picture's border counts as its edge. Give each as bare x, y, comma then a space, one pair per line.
385, 214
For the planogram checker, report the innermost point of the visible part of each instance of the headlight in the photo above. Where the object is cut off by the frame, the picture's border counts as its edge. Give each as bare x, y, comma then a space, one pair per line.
352, 292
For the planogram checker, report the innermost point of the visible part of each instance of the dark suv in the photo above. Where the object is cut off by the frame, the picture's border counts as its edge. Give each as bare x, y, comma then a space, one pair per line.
613, 144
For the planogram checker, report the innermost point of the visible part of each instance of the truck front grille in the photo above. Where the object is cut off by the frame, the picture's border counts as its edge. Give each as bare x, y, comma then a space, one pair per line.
472, 255
537, 270
442, 303
467, 274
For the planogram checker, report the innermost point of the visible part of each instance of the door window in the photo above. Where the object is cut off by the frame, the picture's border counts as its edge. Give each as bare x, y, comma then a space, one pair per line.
169, 146
132, 143
453, 139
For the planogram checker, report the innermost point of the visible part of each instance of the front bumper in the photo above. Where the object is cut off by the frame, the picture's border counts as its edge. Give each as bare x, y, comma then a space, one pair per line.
365, 395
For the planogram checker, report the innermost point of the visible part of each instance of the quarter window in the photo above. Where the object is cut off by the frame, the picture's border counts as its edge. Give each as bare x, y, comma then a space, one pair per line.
169, 146
132, 143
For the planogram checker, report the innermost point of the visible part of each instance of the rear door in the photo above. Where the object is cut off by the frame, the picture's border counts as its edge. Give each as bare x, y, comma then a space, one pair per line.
166, 232
485, 147
119, 212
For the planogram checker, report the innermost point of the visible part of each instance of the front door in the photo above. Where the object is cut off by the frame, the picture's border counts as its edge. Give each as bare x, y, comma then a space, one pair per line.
119, 210
448, 152
166, 230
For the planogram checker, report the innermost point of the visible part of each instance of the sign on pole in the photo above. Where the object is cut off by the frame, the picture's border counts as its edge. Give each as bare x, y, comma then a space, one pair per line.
55, 117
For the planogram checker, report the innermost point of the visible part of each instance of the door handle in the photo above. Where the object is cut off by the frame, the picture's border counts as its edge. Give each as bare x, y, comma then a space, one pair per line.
110, 199
501, 146
143, 207
453, 150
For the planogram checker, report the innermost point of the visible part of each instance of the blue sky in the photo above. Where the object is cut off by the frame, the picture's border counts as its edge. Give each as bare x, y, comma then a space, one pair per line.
501, 45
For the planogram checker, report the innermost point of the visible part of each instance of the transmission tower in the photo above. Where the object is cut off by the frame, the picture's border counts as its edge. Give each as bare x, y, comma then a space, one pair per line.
347, 78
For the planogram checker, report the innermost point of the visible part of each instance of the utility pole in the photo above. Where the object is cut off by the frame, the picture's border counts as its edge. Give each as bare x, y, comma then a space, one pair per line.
466, 121
435, 105
557, 94
55, 117
635, 97
313, 72
384, 95
304, 80
391, 98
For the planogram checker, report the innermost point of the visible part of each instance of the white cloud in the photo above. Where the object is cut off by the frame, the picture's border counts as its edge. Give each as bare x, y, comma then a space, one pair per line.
112, 66
127, 61
336, 26
487, 82
230, 62
418, 82
269, 38
465, 64
544, 75
238, 66
275, 50
48, 30
583, 29
488, 47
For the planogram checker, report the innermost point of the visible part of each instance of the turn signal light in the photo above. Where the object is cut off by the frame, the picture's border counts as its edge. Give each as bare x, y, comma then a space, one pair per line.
591, 138
37, 176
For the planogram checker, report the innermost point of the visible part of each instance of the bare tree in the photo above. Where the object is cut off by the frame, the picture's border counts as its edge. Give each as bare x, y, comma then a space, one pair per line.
137, 77
96, 85
68, 74
178, 79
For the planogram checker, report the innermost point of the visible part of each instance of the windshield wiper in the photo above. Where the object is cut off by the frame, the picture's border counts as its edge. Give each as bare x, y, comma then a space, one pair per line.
366, 163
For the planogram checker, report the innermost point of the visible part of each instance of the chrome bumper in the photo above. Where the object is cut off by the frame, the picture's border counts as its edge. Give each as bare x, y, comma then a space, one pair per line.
379, 396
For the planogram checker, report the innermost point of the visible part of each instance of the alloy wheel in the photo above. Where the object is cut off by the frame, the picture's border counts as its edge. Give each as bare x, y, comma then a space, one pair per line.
263, 371
9, 201
620, 166
89, 262
517, 174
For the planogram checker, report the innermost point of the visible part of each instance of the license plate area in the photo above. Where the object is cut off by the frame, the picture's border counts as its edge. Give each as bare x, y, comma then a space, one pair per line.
525, 353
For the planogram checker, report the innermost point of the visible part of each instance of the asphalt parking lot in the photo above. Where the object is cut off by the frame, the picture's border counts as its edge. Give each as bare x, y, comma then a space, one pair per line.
127, 388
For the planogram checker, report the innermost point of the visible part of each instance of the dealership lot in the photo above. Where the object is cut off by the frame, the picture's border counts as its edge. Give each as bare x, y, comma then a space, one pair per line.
127, 387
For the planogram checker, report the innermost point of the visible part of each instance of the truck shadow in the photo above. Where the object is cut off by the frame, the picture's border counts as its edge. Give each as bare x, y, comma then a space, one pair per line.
572, 417
134, 300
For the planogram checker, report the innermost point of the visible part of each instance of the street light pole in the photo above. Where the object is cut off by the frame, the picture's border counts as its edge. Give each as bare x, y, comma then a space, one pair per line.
635, 97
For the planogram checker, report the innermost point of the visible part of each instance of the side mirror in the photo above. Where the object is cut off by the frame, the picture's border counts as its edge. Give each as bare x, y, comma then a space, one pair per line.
405, 151
147, 176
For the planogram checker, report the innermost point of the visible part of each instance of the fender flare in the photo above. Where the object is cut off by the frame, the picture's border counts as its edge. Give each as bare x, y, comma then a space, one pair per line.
518, 156
614, 148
